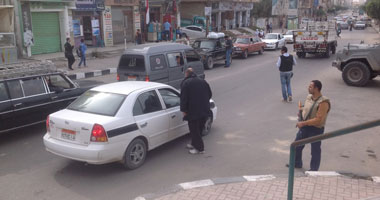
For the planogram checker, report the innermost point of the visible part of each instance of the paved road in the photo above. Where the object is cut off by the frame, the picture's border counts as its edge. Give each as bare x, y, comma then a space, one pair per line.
251, 136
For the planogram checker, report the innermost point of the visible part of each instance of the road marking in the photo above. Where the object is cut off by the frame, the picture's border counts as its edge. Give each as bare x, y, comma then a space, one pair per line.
278, 150
140, 198
259, 178
376, 179
322, 173
3, 154
292, 118
196, 184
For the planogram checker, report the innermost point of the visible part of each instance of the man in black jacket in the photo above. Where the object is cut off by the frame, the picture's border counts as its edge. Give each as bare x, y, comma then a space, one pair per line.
195, 105
69, 54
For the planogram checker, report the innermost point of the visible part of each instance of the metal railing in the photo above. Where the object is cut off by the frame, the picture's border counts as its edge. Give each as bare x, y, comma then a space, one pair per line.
325, 136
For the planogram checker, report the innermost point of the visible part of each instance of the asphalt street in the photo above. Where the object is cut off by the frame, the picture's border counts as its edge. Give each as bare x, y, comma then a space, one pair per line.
251, 136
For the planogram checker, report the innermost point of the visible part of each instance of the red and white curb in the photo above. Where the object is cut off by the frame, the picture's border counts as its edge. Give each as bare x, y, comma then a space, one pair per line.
218, 181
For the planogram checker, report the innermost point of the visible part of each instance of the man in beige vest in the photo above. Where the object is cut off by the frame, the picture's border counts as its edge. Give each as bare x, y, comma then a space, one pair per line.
312, 123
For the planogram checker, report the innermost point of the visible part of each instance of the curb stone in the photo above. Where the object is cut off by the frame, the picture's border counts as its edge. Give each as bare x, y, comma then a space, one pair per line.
227, 180
95, 73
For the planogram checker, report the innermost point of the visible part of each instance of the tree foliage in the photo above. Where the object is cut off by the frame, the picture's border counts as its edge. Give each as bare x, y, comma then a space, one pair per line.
373, 9
262, 9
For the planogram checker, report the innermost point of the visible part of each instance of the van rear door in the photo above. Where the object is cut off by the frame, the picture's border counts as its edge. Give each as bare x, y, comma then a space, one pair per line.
132, 68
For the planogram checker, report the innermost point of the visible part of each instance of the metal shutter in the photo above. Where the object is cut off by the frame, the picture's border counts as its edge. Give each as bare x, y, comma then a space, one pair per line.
46, 32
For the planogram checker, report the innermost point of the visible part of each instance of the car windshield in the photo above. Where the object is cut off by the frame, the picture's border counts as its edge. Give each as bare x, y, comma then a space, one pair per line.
271, 36
242, 40
101, 103
360, 22
204, 44
289, 33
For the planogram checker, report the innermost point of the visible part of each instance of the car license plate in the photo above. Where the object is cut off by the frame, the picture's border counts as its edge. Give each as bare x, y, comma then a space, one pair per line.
132, 78
68, 134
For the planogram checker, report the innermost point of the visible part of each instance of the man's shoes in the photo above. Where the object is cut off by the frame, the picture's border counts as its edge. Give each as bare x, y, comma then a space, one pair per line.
189, 146
290, 98
195, 151
297, 167
284, 100
71, 69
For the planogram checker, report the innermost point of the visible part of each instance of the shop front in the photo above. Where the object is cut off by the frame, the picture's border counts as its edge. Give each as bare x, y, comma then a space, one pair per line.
122, 19
8, 49
87, 22
45, 26
229, 15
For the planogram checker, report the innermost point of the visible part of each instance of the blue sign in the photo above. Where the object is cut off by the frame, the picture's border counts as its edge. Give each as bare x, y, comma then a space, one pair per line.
316, 3
76, 27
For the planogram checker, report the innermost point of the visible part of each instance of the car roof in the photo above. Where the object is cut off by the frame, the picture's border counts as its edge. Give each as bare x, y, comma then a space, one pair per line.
245, 36
155, 48
127, 87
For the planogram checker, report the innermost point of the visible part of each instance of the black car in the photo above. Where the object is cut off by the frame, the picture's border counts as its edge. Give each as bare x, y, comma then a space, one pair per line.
211, 50
28, 99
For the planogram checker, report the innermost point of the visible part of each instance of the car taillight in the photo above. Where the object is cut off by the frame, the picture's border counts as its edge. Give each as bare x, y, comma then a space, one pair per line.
147, 78
117, 77
98, 134
48, 124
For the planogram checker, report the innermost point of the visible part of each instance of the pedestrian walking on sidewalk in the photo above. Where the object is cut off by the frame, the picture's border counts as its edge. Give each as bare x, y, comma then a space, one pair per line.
312, 123
69, 54
228, 50
195, 105
82, 50
138, 38
167, 27
285, 64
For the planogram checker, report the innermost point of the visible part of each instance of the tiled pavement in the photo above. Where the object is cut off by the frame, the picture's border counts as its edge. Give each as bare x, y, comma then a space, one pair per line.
313, 187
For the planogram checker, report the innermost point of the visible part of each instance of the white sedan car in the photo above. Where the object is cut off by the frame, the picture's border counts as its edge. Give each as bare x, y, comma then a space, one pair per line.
193, 32
118, 122
289, 36
274, 40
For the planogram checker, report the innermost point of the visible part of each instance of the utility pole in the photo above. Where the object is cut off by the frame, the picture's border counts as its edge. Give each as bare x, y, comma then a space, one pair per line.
207, 17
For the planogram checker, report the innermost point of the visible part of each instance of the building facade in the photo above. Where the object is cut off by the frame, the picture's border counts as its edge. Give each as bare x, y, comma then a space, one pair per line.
8, 48
225, 14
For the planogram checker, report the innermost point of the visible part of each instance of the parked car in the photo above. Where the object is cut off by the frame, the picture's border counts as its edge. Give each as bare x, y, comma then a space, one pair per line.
274, 40
343, 25
28, 98
247, 44
289, 36
359, 25
193, 32
158, 62
359, 63
211, 50
118, 122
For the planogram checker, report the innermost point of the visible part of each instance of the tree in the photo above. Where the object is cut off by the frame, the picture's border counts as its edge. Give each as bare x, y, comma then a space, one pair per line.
373, 9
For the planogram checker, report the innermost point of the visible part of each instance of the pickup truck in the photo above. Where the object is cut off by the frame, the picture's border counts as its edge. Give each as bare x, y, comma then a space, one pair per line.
315, 38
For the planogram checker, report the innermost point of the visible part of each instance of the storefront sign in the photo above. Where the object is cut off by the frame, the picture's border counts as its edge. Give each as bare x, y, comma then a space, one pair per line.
76, 27
107, 26
208, 11
137, 20
95, 27
89, 4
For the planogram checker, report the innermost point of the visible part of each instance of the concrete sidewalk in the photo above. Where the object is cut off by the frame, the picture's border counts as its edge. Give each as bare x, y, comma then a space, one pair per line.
311, 185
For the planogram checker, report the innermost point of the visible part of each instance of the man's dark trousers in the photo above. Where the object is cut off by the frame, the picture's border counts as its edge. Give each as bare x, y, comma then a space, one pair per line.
70, 60
196, 128
306, 132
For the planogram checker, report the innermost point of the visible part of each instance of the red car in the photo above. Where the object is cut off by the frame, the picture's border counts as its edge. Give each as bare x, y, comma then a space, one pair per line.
247, 44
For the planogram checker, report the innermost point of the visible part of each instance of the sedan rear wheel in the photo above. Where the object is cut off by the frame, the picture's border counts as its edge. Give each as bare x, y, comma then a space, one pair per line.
207, 128
135, 154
